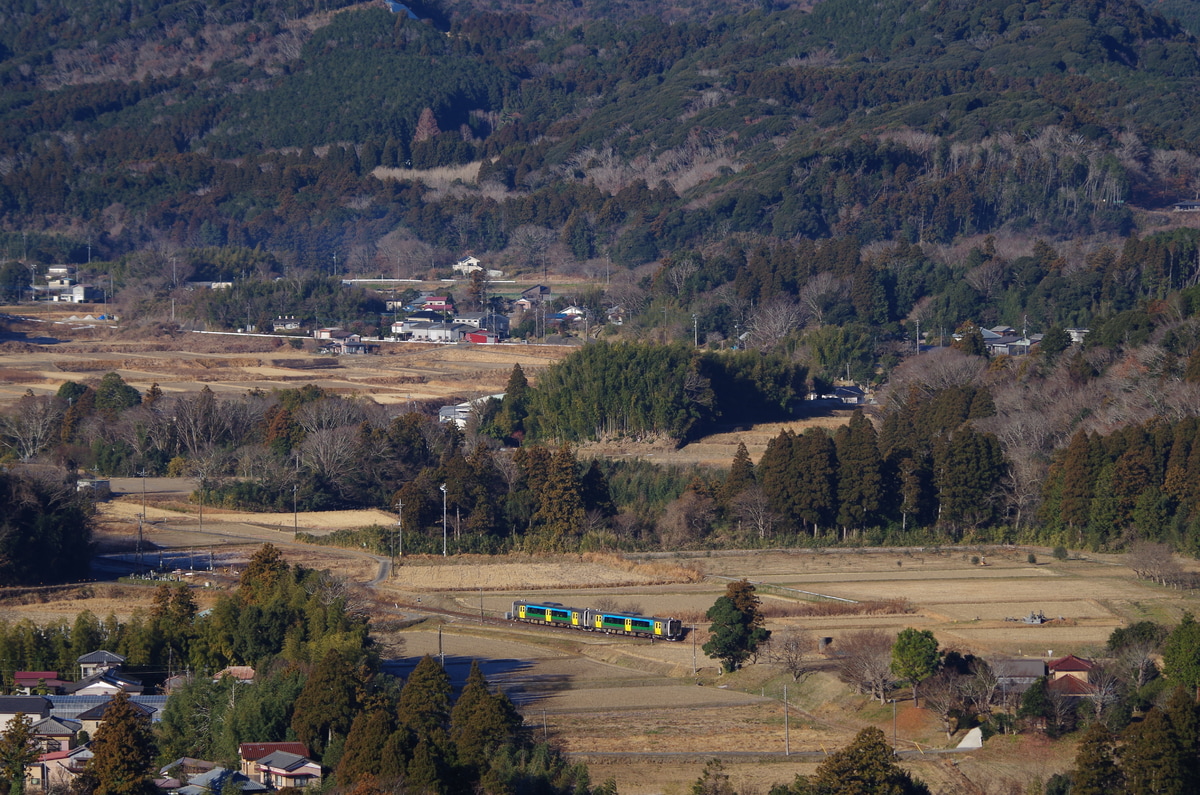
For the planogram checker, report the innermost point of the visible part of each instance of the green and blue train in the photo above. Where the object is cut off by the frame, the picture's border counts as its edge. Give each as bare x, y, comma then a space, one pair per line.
554, 614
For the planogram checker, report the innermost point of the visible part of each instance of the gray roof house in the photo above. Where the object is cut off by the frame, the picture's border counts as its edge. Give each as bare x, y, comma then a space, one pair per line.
95, 662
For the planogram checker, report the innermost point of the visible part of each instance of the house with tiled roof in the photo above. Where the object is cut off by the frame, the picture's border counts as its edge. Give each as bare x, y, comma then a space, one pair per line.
106, 683
57, 770
56, 734
95, 662
1015, 676
1070, 666
218, 780
250, 753
280, 770
43, 681
91, 718
243, 674
1070, 676
36, 707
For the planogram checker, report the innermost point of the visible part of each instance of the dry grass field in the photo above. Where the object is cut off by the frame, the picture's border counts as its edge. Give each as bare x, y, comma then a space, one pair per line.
650, 714
233, 364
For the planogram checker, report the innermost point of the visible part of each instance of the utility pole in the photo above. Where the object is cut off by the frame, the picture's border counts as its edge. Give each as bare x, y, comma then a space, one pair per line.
443, 487
787, 738
295, 514
141, 518
695, 331
694, 669
400, 529
895, 750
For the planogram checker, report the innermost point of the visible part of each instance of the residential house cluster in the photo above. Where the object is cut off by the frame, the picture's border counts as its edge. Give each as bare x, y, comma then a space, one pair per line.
1066, 675
263, 767
63, 711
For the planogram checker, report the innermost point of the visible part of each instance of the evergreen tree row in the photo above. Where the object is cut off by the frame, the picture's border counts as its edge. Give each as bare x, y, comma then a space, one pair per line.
922, 469
1138, 483
637, 390
280, 611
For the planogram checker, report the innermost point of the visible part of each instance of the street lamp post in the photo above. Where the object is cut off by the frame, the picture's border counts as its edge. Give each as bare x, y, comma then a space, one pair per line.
443, 487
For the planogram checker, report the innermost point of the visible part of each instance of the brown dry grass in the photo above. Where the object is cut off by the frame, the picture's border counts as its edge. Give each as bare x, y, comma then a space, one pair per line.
654, 571
825, 609
519, 573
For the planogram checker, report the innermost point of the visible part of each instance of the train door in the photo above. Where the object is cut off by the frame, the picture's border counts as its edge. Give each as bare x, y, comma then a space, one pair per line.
575, 618
658, 628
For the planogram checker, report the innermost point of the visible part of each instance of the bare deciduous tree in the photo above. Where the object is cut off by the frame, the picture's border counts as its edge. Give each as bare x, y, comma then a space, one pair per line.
1152, 561
988, 277
752, 507
30, 426
865, 662
1105, 692
328, 413
678, 273
332, 453
979, 689
535, 242
819, 292
794, 650
944, 696
1136, 663
773, 321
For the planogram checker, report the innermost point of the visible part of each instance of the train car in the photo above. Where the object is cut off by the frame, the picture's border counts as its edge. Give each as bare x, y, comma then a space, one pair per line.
557, 615
551, 613
642, 626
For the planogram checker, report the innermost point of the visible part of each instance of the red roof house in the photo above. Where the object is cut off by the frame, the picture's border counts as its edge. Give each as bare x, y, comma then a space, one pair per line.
250, 753
1072, 666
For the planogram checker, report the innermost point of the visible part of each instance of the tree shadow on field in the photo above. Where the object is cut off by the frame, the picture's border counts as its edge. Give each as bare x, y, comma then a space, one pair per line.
514, 677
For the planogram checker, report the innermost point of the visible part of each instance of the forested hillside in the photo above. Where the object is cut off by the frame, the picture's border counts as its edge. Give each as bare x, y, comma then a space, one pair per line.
830, 189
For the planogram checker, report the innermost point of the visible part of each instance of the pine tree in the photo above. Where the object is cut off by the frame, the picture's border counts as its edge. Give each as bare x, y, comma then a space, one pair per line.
1181, 654
595, 491
860, 484
865, 766
915, 657
1096, 769
737, 626
266, 569
559, 515
740, 477
481, 721
1184, 715
424, 708
152, 396
744, 597
426, 771
1154, 760
363, 752
815, 473
1078, 480
326, 706
427, 127
122, 750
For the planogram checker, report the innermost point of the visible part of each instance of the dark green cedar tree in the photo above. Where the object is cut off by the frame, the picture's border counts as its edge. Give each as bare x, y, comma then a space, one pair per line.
122, 751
